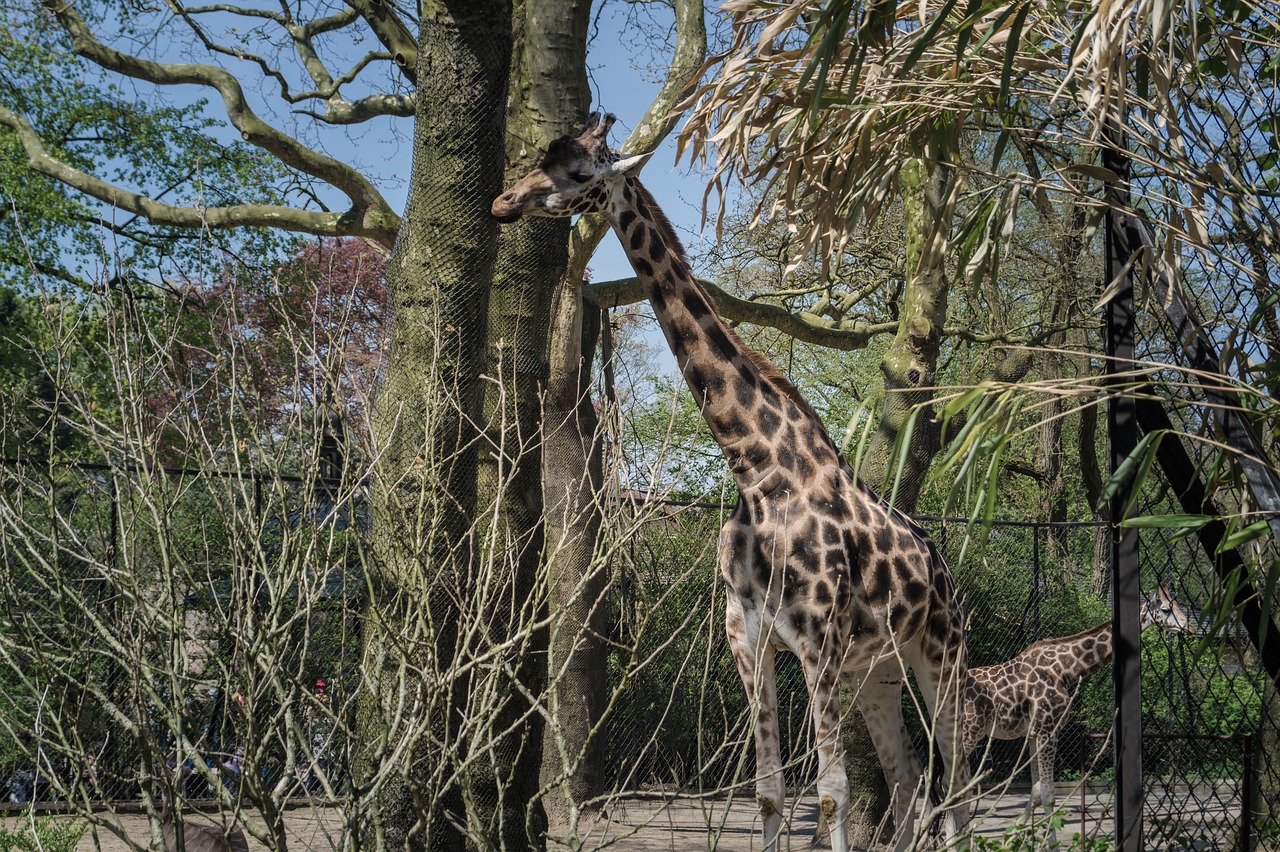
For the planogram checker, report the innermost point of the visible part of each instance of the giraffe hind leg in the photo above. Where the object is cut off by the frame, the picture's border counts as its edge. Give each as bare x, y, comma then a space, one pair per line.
880, 701
755, 660
1046, 751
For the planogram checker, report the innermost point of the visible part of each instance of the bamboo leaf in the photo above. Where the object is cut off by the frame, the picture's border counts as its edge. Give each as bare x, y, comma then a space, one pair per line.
963, 401
900, 449
1010, 50
1093, 170
1144, 452
1254, 531
1174, 521
924, 39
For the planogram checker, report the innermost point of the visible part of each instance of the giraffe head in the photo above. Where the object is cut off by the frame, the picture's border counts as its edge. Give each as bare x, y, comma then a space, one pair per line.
578, 174
1163, 610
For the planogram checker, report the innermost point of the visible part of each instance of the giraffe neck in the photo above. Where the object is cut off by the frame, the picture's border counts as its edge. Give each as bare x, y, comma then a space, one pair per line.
755, 415
1085, 652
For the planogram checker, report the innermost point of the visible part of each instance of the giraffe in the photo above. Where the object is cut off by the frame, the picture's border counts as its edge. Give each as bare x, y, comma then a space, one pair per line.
1030, 695
813, 561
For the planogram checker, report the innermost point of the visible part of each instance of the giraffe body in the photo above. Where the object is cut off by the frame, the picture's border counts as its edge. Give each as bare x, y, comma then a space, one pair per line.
813, 561
1031, 695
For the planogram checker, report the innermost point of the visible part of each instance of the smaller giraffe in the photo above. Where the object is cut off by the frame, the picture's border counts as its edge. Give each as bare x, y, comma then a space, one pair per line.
1030, 695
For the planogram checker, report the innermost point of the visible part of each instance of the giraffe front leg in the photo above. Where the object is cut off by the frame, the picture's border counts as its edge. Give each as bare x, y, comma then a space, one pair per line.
941, 673
754, 657
1043, 789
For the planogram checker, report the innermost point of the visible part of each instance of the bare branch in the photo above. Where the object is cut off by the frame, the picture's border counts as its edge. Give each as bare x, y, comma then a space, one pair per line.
368, 205
379, 225
338, 111
802, 326
393, 34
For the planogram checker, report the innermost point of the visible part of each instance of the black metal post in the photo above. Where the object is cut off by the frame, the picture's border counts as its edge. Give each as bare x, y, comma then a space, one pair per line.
1246, 797
1122, 429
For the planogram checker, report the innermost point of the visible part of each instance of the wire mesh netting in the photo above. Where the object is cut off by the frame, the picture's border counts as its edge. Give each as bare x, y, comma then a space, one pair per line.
681, 722
678, 719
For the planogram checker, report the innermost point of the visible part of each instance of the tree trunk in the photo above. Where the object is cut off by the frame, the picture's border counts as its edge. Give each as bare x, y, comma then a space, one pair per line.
424, 542
908, 368
549, 97
573, 748
911, 359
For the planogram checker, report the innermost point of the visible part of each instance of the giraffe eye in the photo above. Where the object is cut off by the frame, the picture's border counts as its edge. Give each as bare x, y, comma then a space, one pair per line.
580, 177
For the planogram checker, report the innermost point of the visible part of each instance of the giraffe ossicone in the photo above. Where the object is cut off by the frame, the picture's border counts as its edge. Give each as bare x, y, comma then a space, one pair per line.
813, 561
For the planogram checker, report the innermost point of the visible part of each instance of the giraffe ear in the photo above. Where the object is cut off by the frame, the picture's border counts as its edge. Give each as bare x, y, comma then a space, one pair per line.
630, 165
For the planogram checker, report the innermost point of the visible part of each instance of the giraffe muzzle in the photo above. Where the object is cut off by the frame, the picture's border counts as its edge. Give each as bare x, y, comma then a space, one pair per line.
506, 208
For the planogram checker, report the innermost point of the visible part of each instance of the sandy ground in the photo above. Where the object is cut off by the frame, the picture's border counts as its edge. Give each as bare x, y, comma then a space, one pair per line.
650, 824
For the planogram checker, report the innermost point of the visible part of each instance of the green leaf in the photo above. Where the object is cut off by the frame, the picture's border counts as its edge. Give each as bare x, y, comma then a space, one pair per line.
1094, 171
1010, 49
1214, 66
963, 401
1160, 522
1255, 530
1132, 468
900, 450
924, 39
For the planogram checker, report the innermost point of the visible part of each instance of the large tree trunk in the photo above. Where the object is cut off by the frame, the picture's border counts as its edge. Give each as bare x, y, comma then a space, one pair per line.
549, 97
911, 359
425, 540
573, 749
908, 367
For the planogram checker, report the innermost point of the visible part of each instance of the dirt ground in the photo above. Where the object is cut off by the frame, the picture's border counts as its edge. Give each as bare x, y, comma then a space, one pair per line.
640, 824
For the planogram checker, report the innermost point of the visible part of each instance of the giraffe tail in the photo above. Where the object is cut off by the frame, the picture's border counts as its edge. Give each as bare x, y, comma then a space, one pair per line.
937, 788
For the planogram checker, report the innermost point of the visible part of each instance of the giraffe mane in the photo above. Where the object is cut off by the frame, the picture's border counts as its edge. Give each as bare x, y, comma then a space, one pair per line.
769, 371
658, 218
763, 365
1054, 640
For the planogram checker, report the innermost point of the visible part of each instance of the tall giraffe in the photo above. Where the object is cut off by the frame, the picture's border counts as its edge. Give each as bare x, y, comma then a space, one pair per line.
1030, 695
813, 561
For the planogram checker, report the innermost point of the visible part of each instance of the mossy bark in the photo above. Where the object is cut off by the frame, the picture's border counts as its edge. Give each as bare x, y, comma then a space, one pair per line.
549, 97
425, 553
909, 363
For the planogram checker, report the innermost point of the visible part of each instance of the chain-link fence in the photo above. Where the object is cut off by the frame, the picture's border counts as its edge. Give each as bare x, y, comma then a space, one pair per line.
678, 719
681, 721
